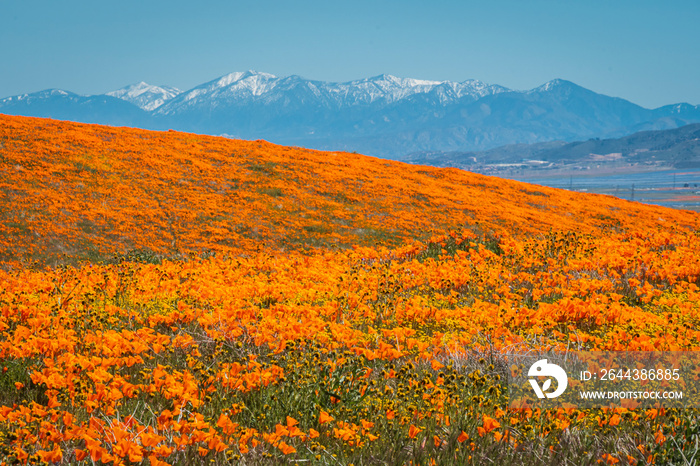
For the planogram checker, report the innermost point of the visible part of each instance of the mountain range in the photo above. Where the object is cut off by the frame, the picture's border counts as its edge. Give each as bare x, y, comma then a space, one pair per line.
677, 148
384, 115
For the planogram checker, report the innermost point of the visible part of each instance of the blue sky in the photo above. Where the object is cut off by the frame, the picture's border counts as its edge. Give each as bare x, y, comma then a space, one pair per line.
644, 51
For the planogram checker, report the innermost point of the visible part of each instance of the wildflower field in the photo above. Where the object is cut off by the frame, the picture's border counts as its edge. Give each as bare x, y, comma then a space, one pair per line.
170, 298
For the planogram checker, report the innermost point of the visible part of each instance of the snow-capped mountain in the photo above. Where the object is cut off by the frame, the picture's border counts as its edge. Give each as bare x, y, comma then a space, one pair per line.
383, 115
145, 96
233, 87
269, 89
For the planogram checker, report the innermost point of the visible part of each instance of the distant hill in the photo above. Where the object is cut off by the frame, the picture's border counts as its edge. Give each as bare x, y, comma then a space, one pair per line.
63, 105
677, 148
385, 116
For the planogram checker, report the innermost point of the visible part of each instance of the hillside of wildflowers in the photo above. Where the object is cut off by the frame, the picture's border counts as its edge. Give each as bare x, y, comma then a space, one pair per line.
170, 298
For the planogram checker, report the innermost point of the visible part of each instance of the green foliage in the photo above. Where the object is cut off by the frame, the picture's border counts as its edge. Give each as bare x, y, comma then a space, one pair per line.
141, 256
272, 192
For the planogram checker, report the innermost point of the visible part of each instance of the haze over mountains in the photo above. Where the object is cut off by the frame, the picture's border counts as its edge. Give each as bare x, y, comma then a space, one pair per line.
384, 115
663, 149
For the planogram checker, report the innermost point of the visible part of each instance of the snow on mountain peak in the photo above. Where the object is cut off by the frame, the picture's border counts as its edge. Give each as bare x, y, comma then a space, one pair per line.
233, 85
228, 79
404, 82
244, 86
393, 88
384, 87
144, 95
555, 84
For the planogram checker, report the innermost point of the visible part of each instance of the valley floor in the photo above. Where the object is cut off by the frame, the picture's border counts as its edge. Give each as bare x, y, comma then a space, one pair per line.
679, 189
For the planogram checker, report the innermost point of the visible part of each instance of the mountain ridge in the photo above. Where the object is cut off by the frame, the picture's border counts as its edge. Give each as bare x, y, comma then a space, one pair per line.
144, 95
661, 149
383, 115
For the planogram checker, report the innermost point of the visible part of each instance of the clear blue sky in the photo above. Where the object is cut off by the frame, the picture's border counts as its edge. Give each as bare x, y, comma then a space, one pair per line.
644, 51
